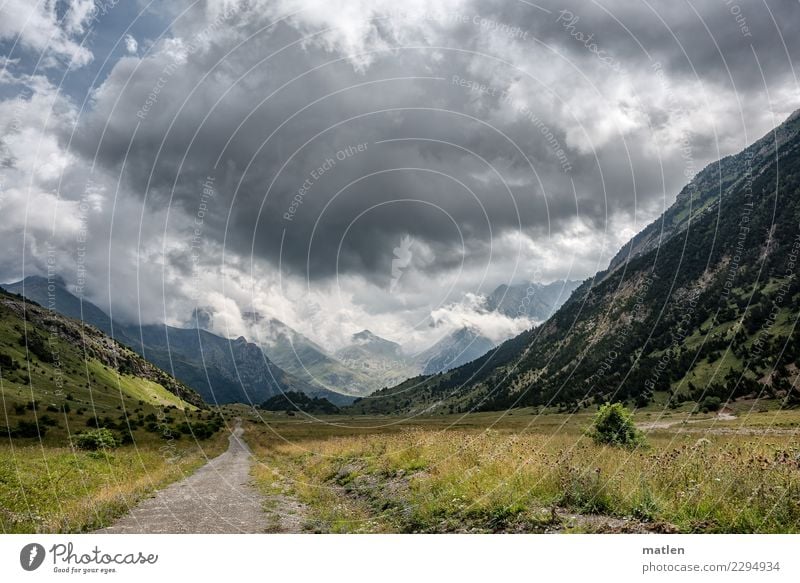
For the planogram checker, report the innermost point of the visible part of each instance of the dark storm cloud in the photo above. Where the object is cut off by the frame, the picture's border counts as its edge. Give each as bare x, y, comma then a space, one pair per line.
314, 155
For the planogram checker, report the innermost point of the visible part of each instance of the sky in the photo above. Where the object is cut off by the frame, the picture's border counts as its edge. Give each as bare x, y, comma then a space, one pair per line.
342, 165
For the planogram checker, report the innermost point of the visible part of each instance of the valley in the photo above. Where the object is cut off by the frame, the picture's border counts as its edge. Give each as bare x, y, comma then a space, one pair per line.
533, 471
688, 340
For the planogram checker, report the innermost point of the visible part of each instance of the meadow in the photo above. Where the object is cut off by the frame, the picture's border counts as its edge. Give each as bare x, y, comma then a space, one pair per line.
525, 471
51, 489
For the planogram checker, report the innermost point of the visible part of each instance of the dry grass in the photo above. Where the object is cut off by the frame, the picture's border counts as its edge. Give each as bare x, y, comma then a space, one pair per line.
56, 490
529, 478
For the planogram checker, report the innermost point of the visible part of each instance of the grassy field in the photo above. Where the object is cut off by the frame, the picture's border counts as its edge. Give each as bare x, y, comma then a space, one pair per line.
50, 395
528, 472
48, 489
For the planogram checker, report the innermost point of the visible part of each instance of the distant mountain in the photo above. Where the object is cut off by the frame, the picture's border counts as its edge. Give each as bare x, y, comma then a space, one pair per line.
309, 362
536, 301
707, 305
380, 359
459, 347
219, 369
366, 344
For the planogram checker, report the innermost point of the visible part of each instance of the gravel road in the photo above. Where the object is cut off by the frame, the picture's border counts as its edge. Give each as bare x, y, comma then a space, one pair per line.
218, 498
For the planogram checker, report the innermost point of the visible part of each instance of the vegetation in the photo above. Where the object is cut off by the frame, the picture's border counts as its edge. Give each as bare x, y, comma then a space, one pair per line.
293, 401
706, 306
87, 427
95, 439
613, 425
535, 473
49, 489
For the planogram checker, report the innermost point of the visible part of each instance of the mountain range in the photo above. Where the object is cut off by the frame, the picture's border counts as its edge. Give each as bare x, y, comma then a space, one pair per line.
48, 357
221, 370
281, 359
703, 302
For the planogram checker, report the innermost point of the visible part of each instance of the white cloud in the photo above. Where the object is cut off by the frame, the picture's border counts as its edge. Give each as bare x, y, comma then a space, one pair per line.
36, 25
131, 45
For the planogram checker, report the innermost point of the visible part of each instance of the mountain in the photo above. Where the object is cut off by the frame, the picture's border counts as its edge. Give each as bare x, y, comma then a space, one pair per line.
367, 345
219, 369
53, 294
706, 305
457, 348
380, 359
532, 300
309, 362
48, 357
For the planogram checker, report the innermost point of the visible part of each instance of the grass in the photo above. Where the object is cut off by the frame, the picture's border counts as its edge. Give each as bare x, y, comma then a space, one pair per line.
62, 389
529, 473
47, 489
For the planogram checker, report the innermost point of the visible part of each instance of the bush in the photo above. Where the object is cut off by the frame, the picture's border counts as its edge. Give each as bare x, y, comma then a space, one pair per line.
613, 425
96, 439
710, 404
29, 429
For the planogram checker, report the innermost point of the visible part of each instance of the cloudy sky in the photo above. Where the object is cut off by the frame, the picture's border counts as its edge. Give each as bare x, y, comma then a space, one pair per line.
348, 164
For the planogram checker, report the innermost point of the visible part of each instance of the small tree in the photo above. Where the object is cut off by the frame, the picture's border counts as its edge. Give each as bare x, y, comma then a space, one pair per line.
95, 439
613, 425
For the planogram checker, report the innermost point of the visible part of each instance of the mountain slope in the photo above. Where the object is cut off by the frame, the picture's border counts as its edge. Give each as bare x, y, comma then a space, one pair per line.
536, 301
219, 369
383, 361
708, 308
307, 361
47, 357
459, 347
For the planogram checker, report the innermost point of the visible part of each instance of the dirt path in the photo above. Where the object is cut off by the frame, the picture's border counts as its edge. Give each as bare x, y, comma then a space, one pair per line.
218, 498
672, 423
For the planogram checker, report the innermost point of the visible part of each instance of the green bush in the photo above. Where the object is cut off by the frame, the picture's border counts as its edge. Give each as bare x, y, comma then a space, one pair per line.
710, 404
29, 429
95, 439
613, 425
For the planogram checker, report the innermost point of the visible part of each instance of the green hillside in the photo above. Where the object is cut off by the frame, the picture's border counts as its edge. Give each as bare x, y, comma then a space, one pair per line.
59, 377
709, 309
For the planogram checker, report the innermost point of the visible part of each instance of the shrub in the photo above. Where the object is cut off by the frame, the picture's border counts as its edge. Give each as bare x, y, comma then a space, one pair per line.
710, 404
29, 429
96, 439
613, 425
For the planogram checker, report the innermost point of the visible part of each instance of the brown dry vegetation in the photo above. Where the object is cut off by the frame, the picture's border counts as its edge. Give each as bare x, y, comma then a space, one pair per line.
533, 473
